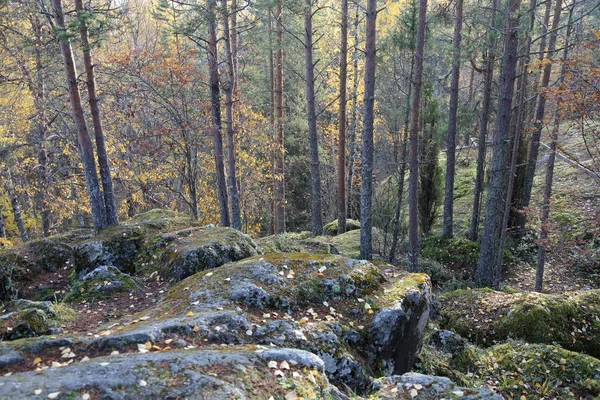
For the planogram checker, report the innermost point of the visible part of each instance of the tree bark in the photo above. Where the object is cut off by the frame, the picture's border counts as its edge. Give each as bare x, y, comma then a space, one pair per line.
96, 200
539, 117
272, 124
315, 173
516, 139
413, 180
236, 221
483, 129
544, 228
280, 152
451, 146
215, 100
110, 203
342, 120
366, 189
354, 127
2, 226
486, 273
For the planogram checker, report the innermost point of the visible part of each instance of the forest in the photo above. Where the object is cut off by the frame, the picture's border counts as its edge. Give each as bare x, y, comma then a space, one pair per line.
407, 190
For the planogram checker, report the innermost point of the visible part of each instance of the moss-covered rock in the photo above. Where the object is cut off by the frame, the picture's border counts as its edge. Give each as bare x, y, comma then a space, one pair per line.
348, 244
302, 242
101, 283
414, 385
351, 313
185, 252
24, 318
483, 315
332, 227
242, 372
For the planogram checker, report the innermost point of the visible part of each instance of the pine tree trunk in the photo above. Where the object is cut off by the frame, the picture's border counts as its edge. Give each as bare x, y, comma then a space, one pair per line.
96, 200
315, 173
342, 120
354, 127
2, 227
14, 202
539, 118
486, 273
483, 129
236, 221
215, 100
272, 124
280, 152
366, 189
451, 145
544, 227
413, 180
110, 203
516, 139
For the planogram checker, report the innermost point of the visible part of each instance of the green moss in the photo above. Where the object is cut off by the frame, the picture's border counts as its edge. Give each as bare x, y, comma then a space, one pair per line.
484, 315
332, 227
400, 287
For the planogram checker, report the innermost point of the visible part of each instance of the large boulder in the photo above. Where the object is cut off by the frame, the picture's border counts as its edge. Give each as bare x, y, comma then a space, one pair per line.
332, 227
24, 318
301, 242
352, 314
101, 283
486, 316
217, 373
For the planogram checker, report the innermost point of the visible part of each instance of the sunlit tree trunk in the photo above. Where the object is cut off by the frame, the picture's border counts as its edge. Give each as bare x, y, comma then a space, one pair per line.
87, 151
280, 152
413, 180
14, 203
366, 188
354, 127
110, 203
342, 120
272, 124
215, 100
236, 221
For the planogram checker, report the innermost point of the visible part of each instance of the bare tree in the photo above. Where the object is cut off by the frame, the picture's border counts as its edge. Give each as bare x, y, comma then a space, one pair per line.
279, 190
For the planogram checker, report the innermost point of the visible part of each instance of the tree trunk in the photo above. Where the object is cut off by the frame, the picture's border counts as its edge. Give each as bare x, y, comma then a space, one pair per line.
2, 227
97, 205
14, 202
272, 124
483, 129
215, 100
516, 139
544, 228
280, 152
354, 127
539, 118
234, 42
486, 273
110, 204
413, 180
236, 221
402, 173
315, 173
451, 146
342, 120
366, 188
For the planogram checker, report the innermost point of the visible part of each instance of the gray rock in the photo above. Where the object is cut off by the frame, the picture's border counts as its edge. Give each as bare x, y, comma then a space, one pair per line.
9, 357
427, 387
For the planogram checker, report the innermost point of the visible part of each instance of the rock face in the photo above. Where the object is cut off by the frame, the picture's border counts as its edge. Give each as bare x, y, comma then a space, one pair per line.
302, 242
234, 372
324, 304
101, 283
413, 385
569, 319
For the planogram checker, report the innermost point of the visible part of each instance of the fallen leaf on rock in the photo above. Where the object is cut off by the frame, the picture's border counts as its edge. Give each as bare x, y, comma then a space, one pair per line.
279, 373
196, 328
37, 361
272, 364
143, 383
144, 318
168, 341
114, 353
190, 314
291, 395
53, 395
84, 359
284, 365
56, 364
104, 364
37, 391
85, 396
413, 393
